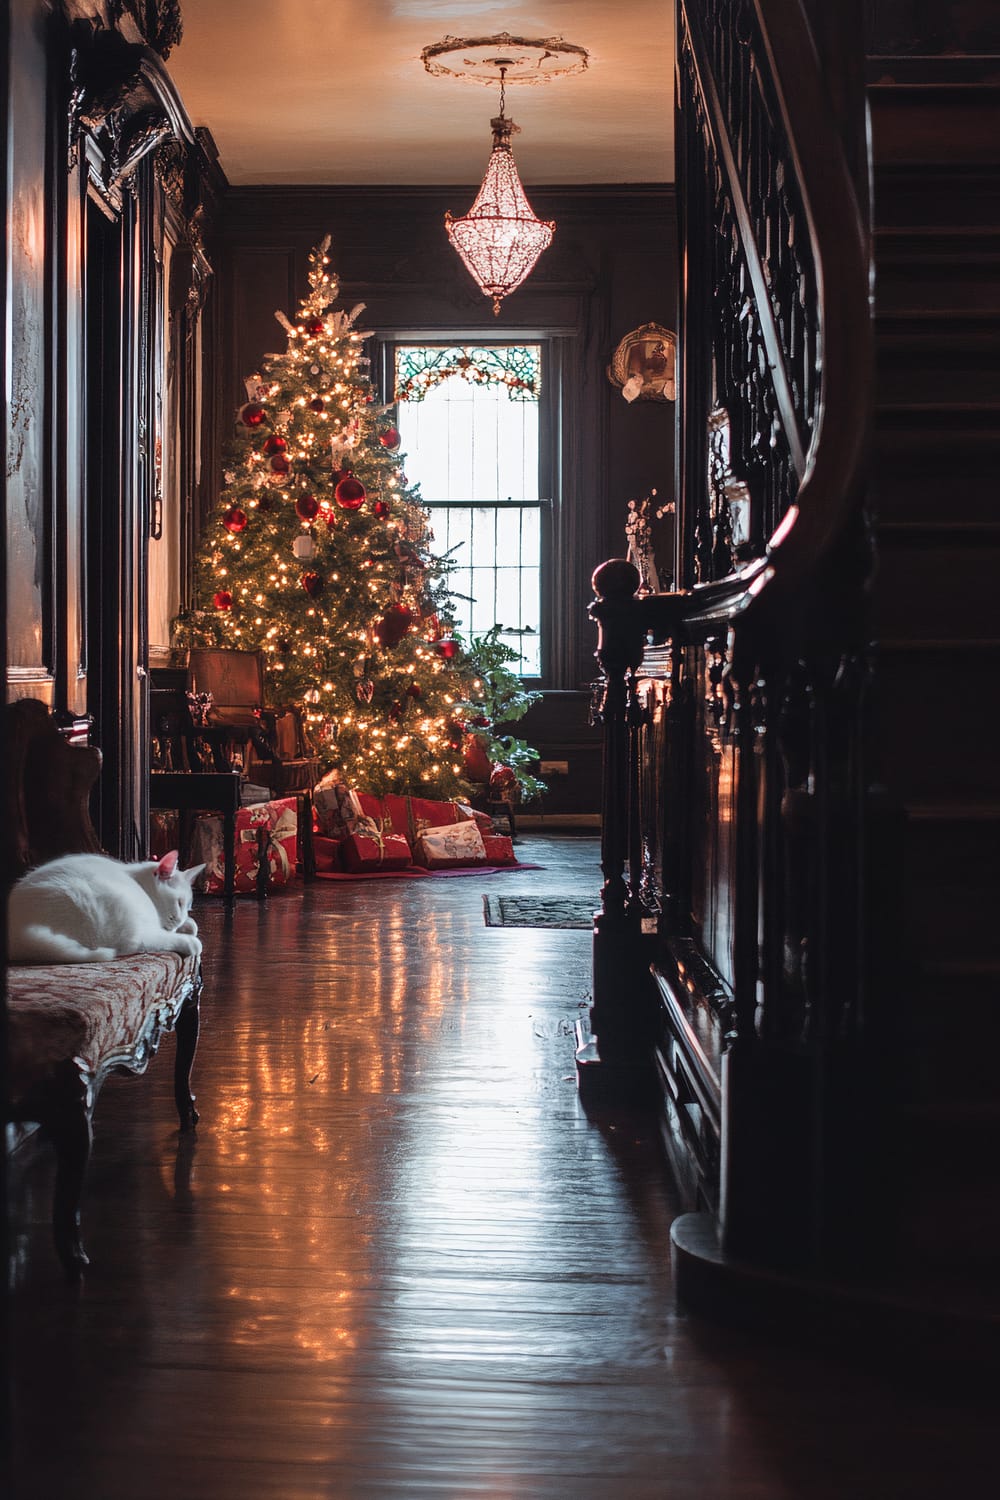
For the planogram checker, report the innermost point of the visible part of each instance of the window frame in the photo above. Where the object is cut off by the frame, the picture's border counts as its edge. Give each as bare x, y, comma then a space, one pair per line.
549, 467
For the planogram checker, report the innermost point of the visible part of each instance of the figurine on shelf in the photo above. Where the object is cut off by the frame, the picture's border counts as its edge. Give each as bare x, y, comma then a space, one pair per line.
639, 535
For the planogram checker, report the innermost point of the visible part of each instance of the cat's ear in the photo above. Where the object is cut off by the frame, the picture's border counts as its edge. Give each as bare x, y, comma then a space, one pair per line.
192, 875
167, 865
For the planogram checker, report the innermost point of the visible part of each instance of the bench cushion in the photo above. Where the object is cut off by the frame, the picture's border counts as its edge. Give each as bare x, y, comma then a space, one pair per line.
93, 1013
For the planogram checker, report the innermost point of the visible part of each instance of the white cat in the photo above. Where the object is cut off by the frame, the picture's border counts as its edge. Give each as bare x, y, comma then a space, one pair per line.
87, 908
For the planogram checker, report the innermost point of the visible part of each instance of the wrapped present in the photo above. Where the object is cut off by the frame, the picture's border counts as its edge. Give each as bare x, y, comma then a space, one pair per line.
334, 811
326, 853
367, 805
164, 831
499, 849
467, 814
446, 847
409, 816
207, 848
371, 848
271, 827
427, 814
397, 810
251, 793
282, 846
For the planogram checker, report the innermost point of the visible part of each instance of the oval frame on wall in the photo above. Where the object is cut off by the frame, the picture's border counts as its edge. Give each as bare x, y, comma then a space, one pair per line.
644, 365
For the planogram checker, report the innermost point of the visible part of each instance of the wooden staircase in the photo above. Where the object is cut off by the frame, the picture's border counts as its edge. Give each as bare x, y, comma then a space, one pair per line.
800, 923
936, 624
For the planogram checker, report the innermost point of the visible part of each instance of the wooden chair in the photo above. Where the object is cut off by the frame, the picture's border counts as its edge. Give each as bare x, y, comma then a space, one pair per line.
270, 740
274, 738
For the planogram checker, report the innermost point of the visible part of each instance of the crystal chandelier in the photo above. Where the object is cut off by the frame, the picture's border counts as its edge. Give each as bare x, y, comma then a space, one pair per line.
500, 238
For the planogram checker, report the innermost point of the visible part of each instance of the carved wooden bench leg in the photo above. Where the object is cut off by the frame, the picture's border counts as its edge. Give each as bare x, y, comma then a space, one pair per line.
186, 1030
71, 1132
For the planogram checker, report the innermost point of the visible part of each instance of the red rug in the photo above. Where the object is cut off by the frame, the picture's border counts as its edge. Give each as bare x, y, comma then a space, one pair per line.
417, 872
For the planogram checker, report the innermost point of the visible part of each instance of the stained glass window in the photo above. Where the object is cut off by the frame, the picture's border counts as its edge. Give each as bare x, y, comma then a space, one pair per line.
470, 435
516, 366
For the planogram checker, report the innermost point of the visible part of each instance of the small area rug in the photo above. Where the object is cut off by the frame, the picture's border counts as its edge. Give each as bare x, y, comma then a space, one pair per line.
540, 911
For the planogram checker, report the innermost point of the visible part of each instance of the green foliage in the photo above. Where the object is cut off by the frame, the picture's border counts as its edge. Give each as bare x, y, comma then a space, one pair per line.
499, 697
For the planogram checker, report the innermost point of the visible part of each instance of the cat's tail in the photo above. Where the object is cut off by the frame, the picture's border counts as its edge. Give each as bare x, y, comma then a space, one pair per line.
42, 945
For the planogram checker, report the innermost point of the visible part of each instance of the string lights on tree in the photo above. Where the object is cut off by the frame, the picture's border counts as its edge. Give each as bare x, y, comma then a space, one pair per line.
319, 555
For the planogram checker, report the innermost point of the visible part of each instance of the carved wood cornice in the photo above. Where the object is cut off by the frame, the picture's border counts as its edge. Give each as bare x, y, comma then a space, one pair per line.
123, 105
159, 21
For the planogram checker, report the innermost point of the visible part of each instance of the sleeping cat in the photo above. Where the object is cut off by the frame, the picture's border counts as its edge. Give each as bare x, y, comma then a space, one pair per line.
87, 908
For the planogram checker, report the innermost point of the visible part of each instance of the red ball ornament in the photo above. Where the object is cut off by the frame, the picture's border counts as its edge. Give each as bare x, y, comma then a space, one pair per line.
393, 625
389, 438
414, 691
274, 444
317, 404
315, 326
380, 509
252, 415
223, 599
280, 464
307, 507
234, 519
447, 647
350, 494
312, 583
475, 760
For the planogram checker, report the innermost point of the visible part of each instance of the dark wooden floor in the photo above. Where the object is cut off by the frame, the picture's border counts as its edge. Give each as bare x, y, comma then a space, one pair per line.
400, 1261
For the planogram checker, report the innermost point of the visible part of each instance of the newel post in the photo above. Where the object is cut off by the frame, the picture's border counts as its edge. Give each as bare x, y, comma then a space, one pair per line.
617, 1059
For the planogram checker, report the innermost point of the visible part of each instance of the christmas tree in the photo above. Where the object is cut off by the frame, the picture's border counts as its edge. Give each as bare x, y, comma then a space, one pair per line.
319, 555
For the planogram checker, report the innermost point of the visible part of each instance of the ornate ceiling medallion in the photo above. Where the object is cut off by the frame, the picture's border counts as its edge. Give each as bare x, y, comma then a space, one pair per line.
495, 59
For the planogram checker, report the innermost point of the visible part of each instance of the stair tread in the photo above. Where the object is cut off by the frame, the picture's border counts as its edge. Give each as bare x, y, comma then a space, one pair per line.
957, 809
926, 645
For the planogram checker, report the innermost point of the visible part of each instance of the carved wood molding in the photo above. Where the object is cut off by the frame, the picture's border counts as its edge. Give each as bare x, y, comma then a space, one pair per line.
123, 106
159, 21
792, 277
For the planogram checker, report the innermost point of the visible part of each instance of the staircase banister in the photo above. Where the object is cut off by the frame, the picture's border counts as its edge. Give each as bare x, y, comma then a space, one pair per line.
839, 241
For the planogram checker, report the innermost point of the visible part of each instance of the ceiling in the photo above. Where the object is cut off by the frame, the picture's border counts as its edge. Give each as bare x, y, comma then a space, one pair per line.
335, 92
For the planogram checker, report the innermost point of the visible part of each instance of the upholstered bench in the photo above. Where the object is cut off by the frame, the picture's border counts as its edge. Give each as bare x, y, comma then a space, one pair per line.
71, 1025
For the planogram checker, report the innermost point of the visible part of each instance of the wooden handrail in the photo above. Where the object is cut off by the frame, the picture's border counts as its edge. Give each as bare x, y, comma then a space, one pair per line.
833, 463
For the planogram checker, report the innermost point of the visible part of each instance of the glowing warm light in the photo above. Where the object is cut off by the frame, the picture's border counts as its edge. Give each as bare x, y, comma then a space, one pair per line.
500, 238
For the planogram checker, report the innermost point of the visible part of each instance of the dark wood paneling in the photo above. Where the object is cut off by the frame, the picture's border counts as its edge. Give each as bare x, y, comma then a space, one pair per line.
940, 28
28, 416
